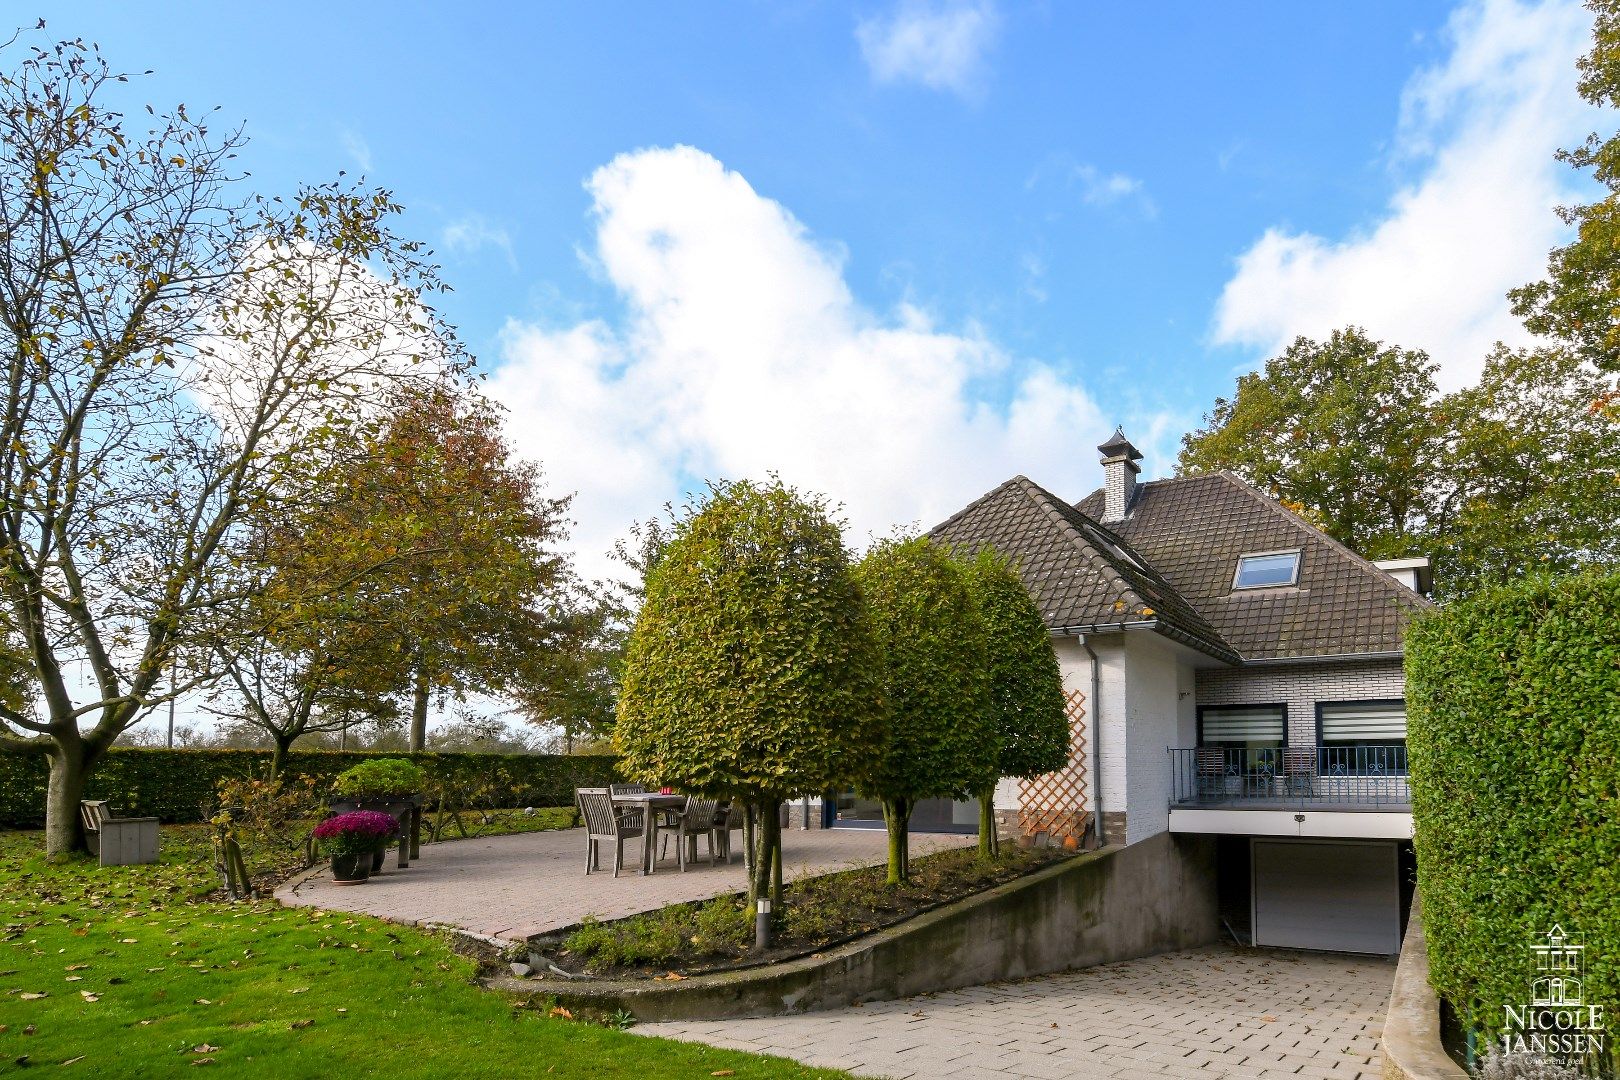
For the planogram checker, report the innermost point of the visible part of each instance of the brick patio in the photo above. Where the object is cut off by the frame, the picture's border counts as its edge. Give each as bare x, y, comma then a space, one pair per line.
514, 886
1204, 1013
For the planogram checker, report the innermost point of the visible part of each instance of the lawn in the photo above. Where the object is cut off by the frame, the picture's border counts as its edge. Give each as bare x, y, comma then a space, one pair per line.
130, 971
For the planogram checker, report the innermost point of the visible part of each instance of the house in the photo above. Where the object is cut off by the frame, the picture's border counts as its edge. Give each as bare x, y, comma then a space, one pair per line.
1232, 673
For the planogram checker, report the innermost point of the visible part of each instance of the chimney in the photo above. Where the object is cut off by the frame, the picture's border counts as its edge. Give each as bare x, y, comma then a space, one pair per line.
1119, 459
1415, 574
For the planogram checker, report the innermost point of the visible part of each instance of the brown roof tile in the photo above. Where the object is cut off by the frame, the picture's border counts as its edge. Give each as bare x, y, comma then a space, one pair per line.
1193, 529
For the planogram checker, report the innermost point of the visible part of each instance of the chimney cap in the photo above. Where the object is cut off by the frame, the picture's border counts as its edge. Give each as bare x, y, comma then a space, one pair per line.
1118, 446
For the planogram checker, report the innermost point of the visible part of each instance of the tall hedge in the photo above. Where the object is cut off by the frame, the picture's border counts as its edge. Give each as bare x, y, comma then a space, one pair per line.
1513, 713
174, 784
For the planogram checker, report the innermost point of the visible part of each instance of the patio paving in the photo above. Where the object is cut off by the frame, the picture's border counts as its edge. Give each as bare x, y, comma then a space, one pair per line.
527, 883
1211, 1012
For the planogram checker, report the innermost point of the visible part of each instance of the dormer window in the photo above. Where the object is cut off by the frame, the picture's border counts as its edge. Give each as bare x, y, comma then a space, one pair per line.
1267, 569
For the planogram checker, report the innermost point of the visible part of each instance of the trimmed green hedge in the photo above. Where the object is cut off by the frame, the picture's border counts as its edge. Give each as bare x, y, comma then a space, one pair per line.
1513, 713
175, 784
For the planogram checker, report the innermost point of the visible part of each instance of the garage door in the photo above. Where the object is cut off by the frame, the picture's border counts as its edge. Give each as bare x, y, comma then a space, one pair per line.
1337, 897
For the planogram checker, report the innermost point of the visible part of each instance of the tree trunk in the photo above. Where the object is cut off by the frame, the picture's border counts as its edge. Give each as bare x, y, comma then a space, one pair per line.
776, 858
897, 818
281, 745
419, 707
70, 770
770, 838
989, 841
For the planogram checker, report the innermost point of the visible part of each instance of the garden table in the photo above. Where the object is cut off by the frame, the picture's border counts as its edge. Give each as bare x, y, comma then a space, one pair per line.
653, 806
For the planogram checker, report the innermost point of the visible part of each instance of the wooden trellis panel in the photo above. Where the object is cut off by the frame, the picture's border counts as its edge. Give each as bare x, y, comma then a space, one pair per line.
1055, 803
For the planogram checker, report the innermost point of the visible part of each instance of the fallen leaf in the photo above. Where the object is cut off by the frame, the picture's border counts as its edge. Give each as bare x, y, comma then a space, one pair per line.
300, 990
343, 1010
75, 978
73, 1061
76, 967
202, 1001
296, 1024
205, 1049
127, 941
724, 1072
30, 1029
88, 996
33, 997
1268, 1019
558, 1010
202, 1061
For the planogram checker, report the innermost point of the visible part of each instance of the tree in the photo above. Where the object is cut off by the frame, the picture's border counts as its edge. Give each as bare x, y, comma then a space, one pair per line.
434, 563
1531, 472
1025, 698
1578, 303
1343, 430
174, 352
942, 739
752, 671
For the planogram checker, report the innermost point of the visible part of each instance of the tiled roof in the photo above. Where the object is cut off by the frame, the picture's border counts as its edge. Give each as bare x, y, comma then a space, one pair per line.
1192, 531
1080, 574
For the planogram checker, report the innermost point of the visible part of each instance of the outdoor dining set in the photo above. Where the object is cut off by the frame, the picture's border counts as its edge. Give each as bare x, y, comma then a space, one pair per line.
623, 812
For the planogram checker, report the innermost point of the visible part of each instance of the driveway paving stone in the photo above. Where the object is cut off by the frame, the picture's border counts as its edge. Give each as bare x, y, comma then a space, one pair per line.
1214, 1012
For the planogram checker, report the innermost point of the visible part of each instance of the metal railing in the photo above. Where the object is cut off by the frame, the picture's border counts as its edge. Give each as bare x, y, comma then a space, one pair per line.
1290, 776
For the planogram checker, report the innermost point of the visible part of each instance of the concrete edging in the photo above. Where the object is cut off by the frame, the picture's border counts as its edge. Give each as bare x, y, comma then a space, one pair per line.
1411, 1042
1119, 903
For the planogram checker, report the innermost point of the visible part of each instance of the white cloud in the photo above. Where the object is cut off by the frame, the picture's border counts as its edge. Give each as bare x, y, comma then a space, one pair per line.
1432, 271
357, 148
742, 351
1099, 188
470, 234
941, 45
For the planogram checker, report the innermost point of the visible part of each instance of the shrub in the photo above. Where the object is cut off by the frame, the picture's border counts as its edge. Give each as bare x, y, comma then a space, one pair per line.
383, 778
1513, 711
357, 832
181, 785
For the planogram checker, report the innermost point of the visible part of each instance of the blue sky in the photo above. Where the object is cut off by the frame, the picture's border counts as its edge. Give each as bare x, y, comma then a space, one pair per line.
899, 251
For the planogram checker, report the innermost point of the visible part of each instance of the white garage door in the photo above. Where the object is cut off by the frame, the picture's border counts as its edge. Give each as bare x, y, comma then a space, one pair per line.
1337, 897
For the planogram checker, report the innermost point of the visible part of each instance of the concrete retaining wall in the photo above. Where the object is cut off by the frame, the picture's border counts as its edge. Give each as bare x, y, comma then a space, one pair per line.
1098, 908
1411, 1042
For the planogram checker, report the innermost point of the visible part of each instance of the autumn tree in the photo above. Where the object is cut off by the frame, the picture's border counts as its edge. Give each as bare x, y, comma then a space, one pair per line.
175, 350
941, 739
1578, 303
434, 568
1025, 693
1530, 475
752, 672
1343, 429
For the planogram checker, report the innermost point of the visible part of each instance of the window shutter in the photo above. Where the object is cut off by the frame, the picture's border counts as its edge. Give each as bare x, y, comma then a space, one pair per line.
1245, 724
1364, 723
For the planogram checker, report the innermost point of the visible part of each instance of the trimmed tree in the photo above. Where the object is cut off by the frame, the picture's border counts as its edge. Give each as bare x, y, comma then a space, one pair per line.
942, 742
1026, 688
752, 672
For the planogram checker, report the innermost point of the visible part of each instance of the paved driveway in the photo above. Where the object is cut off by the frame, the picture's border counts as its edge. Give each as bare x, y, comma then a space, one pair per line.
1218, 1011
528, 883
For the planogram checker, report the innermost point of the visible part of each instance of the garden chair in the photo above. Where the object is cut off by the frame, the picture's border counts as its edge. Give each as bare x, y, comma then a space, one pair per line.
695, 821
1210, 763
117, 841
727, 816
627, 789
602, 823
1299, 770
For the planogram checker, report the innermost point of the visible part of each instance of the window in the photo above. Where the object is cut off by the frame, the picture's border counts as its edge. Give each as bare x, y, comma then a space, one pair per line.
1267, 569
1362, 738
1242, 727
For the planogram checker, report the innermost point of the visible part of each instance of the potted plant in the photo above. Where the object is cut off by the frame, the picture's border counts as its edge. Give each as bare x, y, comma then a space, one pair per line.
351, 840
384, 781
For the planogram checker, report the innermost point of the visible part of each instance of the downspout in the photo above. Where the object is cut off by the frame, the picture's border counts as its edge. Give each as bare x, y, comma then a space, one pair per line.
1095, 701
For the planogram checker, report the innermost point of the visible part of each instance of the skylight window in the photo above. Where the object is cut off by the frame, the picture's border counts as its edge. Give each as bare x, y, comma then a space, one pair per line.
1266, 570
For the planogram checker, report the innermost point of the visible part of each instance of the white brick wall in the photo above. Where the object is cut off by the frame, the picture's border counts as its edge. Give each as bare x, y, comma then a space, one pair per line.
1300, 687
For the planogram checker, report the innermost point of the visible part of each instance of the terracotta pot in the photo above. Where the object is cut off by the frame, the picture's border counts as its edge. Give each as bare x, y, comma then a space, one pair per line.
1071, 843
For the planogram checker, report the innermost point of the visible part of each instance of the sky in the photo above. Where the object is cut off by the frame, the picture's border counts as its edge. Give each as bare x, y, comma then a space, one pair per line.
897, 252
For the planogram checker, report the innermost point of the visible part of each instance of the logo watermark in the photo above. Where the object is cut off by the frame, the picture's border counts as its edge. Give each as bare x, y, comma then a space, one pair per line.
1555, 1023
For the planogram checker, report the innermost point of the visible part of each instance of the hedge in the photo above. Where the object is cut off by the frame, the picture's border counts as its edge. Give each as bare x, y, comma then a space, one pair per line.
175, 784
1513, 713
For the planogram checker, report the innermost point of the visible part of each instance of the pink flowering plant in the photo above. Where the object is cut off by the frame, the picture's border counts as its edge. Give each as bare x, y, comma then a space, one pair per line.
356, 833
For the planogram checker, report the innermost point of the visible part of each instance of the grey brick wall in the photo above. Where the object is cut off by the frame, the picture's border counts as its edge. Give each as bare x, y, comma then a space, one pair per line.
1300, 687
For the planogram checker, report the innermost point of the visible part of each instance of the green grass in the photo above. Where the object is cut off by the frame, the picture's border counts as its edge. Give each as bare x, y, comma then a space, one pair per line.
145, 978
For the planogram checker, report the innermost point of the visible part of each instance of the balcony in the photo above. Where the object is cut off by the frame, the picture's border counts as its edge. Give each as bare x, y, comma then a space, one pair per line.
1291, 778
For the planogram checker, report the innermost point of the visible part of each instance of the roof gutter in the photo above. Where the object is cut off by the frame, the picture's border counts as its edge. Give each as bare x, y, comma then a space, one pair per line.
1169, 631
1323, 658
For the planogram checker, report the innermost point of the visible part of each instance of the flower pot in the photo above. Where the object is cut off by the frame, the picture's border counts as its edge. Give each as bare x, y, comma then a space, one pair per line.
377, 859
351, 869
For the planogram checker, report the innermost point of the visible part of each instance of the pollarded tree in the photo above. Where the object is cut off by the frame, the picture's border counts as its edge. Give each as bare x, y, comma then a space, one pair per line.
1026, 688
176, 351
942, 741
752, 671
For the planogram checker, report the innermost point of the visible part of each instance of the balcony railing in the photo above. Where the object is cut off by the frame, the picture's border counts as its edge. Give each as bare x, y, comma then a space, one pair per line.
1321, 777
